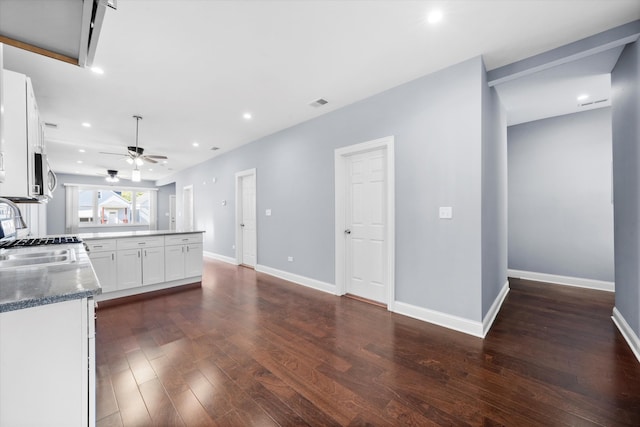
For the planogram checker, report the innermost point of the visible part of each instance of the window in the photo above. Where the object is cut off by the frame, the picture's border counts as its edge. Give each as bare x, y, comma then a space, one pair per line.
93, 206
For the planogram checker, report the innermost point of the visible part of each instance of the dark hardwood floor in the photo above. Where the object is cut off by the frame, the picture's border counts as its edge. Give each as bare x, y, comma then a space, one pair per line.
248, 349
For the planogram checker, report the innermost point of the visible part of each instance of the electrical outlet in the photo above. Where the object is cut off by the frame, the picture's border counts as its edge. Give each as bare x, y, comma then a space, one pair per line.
446, 212
290, 259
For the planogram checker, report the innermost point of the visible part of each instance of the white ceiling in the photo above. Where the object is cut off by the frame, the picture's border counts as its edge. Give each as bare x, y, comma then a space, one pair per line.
192, 68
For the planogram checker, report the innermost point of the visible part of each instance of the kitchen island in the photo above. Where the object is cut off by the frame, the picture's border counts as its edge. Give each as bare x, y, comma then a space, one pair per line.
137, 262
47, 336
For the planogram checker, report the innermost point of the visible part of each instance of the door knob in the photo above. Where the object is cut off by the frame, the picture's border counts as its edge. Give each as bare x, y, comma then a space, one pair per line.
347, 231
241, 225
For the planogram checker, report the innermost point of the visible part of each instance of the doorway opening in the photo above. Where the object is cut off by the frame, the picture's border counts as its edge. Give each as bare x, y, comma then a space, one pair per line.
187, 208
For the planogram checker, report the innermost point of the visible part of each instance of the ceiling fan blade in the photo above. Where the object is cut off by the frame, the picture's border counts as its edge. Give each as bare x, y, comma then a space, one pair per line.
155, 156
114, 154
148, 159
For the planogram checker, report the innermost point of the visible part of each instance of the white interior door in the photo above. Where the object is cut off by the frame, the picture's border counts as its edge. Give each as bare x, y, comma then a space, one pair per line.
247, 231
187, 208
365, 225
172, 212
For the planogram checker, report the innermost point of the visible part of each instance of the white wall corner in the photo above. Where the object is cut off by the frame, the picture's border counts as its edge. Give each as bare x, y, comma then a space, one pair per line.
456, 323
626, 331
488, 320
578, 282
299, 280
223, 258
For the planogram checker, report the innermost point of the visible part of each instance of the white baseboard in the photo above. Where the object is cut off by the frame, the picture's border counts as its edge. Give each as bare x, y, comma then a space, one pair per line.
563, 280
441, 319
626, 331
300, 280
219, 257
495, 308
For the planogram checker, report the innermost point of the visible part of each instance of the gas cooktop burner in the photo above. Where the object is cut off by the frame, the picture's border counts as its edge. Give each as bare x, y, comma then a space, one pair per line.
40, 241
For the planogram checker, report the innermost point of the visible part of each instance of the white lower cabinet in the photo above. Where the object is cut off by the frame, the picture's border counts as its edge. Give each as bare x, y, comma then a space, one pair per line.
104, 264
140, 261
129, 268
183, 256
103, 258
125, 264
47, 374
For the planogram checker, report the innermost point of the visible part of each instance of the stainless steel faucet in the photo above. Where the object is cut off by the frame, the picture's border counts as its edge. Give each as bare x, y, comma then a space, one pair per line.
17, 215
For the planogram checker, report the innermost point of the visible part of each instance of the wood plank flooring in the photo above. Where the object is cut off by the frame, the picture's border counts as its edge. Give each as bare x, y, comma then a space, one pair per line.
248, 349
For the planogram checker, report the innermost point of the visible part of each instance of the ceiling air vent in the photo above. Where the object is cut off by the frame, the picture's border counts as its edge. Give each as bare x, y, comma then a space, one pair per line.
593, 102
215, 148
318, 102
51, 125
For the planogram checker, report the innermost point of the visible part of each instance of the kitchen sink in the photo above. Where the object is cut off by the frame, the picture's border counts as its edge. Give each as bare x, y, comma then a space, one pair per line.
19, 258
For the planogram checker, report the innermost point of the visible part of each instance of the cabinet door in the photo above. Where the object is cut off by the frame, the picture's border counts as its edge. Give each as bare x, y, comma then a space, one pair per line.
174, 262
129, 269
104, 264
152, 265
193, 260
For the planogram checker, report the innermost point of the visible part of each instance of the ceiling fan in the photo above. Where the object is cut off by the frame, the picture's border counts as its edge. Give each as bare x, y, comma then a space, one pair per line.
136, 154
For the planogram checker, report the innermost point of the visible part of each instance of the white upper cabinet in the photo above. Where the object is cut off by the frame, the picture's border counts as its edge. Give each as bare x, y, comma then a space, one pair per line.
24, 155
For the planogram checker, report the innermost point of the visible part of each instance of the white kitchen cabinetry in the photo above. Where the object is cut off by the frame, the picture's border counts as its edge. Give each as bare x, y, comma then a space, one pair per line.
183, 256
103, 258
128, 266
23, 137
140, 261
48, 354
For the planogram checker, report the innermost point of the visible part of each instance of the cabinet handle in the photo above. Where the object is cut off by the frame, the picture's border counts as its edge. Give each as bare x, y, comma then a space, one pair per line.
113, 257
97, 246
187, 248
145, 253
138, 254
142, 243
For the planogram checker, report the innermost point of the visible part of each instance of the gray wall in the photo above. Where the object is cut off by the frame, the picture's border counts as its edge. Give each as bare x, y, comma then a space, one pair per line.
56, 206
560, 210
625, 80
494, 197
437, 122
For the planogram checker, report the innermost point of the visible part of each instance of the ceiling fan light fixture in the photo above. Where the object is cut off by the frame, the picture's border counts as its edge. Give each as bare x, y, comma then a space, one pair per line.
112, 176
129, 160
139, 161
135, 175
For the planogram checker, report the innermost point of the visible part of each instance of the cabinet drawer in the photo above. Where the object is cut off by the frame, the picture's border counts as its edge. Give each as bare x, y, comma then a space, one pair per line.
181, 239
101, 245
140, 242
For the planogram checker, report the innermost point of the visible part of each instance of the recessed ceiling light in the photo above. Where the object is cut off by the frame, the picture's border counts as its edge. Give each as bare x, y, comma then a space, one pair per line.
97, 70
435, 16
165, 161
87, 125
195, 144
79, 162
247, 116
150, 170
82, 150
583, 97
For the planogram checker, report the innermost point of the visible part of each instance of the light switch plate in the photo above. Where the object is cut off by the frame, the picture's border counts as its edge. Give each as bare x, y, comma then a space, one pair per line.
267, 212
446, 212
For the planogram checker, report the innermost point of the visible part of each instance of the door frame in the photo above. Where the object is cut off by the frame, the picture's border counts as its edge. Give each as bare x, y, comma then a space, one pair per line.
239, 176
341, 156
